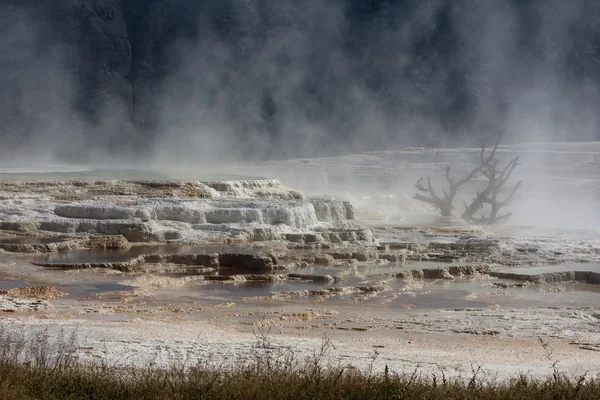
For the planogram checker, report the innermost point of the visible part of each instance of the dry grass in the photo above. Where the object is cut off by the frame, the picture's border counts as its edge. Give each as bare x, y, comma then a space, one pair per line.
49, 369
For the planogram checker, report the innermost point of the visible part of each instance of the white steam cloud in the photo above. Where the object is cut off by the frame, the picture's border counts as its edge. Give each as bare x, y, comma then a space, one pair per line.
264, 79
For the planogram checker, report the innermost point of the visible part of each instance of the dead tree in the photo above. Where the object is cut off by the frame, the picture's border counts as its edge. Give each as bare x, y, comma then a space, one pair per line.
489, 163
477, 203
497, 178
446, 203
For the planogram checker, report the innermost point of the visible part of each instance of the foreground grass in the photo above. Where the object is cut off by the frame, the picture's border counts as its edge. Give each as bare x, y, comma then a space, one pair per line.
77, 382
41, 369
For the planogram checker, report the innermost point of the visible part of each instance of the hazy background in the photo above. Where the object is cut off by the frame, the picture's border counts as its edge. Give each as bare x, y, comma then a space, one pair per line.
205, 81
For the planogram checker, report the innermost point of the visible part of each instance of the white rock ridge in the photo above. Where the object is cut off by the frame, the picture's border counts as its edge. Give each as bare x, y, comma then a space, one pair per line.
177, 211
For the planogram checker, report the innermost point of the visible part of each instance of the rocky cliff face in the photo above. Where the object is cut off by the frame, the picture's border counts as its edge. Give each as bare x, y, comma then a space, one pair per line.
93, 64
68, 64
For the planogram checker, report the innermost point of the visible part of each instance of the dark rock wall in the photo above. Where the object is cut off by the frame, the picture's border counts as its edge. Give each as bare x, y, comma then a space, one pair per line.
68, 70
100, 73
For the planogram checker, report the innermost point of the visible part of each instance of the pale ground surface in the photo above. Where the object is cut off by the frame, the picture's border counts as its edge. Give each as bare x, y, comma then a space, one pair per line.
419, 346
435, 326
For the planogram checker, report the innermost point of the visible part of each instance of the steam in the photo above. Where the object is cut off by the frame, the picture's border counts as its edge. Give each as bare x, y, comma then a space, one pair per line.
305, 78
260, 79
534, 68
36, 114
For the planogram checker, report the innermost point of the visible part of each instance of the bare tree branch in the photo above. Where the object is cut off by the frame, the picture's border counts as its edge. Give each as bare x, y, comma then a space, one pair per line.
511, 195
497, 177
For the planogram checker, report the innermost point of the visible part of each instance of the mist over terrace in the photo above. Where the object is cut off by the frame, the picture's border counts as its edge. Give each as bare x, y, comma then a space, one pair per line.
202, 81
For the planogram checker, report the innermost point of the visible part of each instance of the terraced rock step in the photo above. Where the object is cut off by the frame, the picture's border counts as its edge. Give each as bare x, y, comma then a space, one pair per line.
80, 190
445, 272
26, 244
187, 212
590, 277
244, 262
333, 291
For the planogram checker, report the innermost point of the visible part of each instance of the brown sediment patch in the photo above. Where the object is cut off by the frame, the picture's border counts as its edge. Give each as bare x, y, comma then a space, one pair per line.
355, 328
77, 190
184, 189
316, 258
338, 259
590, 277
178, 269
133, 265
205, 260
262, 277
99, 271
159, 282
506, 285
310, 246
400, 252
285, 319
34, 292
50, 244
362, 256
457, 250
245, 278
247, 261
319, 278
54, 316
45, 245
331, 291
114, 242
124, 296
445, 272
176, 309
439, 251
308, 261
232, 261
224, 260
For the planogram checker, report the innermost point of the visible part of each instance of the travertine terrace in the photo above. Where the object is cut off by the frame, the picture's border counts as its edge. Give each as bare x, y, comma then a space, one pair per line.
128, 263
